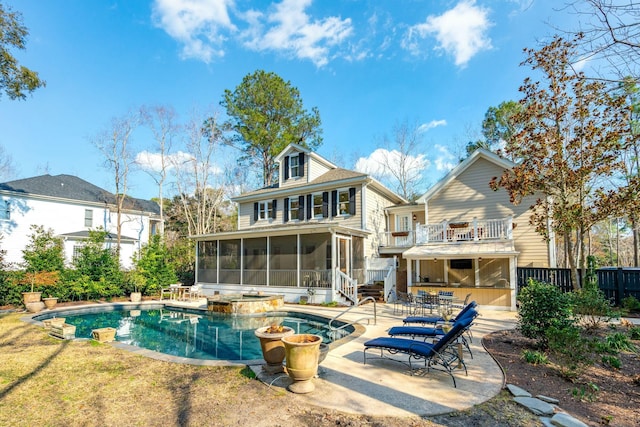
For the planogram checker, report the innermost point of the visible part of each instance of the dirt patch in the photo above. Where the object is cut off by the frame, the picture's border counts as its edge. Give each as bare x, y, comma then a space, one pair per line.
599, 396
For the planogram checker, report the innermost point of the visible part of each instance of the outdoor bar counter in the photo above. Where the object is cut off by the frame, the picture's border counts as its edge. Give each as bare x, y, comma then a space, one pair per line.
483, 295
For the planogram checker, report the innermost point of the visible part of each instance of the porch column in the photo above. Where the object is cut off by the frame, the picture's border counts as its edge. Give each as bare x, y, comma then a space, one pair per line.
242, 261
268, 258
513, 285
409, 276
477, 272
218, 262
298, 260
334, 262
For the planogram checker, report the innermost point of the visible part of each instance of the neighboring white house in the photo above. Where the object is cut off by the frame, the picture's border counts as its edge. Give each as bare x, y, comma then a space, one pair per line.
71, 207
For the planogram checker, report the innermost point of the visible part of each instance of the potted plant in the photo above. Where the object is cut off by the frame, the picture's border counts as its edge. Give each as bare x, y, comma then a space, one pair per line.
50, 302
138, 282
302, 352
32, 299
273, 347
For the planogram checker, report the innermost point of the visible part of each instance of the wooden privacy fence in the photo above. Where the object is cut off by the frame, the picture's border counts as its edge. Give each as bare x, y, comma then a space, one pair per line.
616, 283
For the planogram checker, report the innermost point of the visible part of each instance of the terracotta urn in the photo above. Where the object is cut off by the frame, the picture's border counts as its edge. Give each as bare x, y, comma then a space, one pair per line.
50, 302
302, 352
273, 347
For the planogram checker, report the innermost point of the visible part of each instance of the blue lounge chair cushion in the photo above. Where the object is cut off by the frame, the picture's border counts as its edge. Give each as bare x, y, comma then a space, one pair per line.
416, 331
418, 348
438, 319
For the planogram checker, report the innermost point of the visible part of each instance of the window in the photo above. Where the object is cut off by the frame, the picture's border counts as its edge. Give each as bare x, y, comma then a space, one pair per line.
294, 166
294, 207
317, 205
264, 210
88, 217
343, 202
5, 210
403, 223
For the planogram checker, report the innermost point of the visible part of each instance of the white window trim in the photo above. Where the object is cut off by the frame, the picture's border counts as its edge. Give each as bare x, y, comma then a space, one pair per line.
292, 200
265, 207
297, 166
399, 222
313, 206
338, 210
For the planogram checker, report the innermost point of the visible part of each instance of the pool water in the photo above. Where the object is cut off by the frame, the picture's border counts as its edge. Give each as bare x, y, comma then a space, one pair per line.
196, 335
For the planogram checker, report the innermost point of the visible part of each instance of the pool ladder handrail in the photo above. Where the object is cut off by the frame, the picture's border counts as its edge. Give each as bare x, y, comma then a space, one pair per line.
375, 315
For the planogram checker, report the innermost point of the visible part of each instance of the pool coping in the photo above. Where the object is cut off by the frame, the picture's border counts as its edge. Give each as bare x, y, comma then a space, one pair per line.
29, 318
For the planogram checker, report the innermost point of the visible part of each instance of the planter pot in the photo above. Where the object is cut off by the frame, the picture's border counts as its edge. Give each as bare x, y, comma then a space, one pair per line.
135, 296
302, 352
28, 297
34, 307
50, 302
272, 348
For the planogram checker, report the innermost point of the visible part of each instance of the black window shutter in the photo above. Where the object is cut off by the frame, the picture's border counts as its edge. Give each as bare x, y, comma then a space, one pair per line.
285, 209
255, 211
325, 204
309, 206
301, 164
301, 208
286, 167
334, 203
352, 201
275, 208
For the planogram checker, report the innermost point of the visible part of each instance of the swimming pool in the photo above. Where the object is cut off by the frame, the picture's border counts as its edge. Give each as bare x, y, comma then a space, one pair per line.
192, 333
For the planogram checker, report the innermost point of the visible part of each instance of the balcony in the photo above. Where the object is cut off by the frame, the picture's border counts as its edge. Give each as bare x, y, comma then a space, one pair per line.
450, 232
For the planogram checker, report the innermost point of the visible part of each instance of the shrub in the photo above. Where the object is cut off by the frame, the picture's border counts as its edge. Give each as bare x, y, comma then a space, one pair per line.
630, 303
618, 342
542, 306
634, 332
611, 361
572, 352
590, 303
44, 251
153, 270
96, 261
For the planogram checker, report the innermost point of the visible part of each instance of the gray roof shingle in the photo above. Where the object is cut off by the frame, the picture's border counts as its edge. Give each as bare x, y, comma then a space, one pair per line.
73, 188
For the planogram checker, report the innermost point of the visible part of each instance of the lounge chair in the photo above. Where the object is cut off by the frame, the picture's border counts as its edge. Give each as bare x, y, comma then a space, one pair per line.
433, 332
443, 353
433, 320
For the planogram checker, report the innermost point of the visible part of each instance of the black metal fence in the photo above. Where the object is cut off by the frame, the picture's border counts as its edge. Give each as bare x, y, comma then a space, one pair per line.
616, 283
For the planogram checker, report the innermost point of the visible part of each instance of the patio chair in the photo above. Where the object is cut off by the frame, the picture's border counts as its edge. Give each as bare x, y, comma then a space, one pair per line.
433, 320
435, 332
442, 355
404, 301
460, 305
170, 292
194, 292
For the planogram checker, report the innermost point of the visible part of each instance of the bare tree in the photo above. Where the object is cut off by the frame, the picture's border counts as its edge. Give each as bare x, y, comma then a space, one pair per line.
200, 195
7, 170
161, 121
114, 144
401, 160
610, 31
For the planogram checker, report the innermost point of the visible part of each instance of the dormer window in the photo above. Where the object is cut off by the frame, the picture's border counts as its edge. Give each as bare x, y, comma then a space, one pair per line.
294, 166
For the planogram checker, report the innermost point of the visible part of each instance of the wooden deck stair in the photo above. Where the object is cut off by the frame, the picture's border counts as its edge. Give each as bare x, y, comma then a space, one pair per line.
376, 290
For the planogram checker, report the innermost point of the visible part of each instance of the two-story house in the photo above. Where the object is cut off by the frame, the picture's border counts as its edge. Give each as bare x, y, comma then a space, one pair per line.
310, 233
71, 206
326, 228
462, 236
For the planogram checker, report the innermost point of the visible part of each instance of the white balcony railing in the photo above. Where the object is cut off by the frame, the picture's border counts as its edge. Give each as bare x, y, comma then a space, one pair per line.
451, 232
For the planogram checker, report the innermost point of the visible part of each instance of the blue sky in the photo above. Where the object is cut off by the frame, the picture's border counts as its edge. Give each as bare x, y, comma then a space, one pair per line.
365, 64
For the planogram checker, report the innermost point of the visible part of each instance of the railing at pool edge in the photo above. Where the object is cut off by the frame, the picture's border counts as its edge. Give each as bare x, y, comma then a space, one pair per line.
375, 315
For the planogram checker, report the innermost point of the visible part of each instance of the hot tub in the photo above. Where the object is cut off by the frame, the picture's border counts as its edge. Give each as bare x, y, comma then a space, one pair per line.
245, 304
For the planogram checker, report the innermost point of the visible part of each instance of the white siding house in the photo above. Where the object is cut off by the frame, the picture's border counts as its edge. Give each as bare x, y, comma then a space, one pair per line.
70, 207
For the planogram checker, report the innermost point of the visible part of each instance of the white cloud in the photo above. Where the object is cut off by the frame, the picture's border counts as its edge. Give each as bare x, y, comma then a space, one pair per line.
380, 163
432, 124
290, 29
461, 32
199, 25
445, 161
